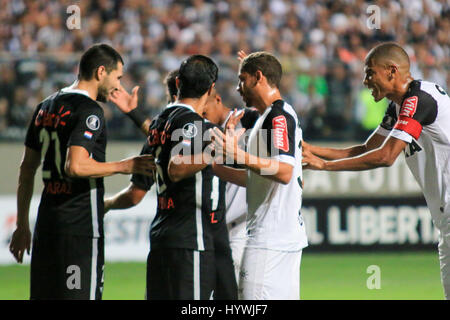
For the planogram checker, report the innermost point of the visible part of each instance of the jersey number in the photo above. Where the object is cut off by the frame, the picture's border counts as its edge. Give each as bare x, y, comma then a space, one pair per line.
45, 138
160, 184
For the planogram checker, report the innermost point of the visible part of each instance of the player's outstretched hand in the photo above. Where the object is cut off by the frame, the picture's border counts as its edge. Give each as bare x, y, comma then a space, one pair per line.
226, 144
306, 146
21, 241
123, 100
241, 55
234, 119
144, 164
311, 161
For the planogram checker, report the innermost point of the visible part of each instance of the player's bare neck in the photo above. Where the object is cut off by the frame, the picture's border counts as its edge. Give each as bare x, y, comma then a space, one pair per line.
88, 85
400, 89
266, 98
197, 104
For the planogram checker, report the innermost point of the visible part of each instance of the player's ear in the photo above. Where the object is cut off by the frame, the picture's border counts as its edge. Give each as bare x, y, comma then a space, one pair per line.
100, 72
177, 82
258, 75
218, 98
393, 69
210, 90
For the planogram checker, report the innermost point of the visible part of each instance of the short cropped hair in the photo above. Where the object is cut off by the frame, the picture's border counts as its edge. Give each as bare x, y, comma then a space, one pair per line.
265, 62
196, 75
96, 56
170, 82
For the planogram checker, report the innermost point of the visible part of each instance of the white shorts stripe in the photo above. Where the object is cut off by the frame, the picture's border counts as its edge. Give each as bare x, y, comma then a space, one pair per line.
94, 269
198, 210
196, 275
94, 208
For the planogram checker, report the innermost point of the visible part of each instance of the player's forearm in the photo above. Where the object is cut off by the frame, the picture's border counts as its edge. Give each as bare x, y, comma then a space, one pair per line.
24, 195
336, 154
374, 159
182, 167
140, 120
270, 168
125, 199
90, 168
233, 175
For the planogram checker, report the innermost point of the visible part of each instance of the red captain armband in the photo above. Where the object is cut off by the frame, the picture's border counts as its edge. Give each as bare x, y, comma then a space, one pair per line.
410, 126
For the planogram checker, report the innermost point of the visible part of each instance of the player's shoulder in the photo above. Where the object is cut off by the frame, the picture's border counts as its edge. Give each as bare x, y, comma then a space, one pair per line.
426, 87
79, 104
421, 101
181, 115
281, 113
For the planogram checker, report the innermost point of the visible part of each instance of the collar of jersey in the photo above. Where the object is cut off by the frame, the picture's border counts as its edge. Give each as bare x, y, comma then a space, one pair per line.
177, 104
70, 89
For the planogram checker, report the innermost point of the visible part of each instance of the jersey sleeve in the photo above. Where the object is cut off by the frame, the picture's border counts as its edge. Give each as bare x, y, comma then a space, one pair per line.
389, 120
142, 181
32, 136
418, 109
279, 132
89, 123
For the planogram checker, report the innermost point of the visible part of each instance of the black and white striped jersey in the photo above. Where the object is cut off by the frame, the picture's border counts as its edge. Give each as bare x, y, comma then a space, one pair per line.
68, 206
274, 219
186, 209
423, 121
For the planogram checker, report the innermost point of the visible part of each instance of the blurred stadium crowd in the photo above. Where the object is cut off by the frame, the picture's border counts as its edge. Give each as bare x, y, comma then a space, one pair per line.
322, 45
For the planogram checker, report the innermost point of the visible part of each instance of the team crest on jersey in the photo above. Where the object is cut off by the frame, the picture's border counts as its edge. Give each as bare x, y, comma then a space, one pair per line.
409, 107
93, 122
190, 130
280, 135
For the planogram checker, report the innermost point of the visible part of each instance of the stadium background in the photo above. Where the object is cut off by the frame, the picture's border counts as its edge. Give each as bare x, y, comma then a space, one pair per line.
354, 220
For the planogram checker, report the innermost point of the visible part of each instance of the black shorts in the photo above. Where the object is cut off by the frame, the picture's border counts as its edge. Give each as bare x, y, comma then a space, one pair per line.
226, 284
66, 267
180, 274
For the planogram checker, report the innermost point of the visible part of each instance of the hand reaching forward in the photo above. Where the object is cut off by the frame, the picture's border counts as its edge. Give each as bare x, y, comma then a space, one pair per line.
144, 164
123, 100
311, 161
234, 119
226, 145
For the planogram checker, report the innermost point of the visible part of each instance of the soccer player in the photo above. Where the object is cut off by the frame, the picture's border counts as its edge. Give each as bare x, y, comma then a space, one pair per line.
226, 286
181, 263
270, 266
68, 131
235, 198
417, 122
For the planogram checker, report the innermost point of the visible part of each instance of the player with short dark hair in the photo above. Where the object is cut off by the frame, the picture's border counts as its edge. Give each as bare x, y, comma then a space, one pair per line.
417, 122
68, 131
272, 174
181, 262
171, 86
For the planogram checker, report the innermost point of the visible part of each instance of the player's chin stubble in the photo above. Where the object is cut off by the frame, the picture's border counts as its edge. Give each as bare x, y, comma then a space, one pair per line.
102, 94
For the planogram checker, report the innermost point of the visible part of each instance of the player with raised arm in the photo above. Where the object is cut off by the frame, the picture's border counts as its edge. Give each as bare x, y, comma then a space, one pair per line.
417, 122
272, 173
68, 132
140, 184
